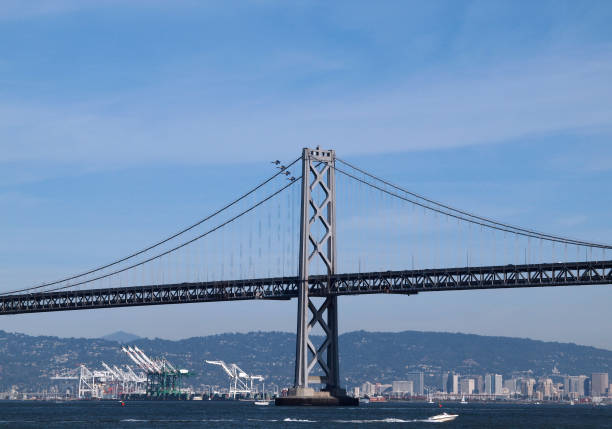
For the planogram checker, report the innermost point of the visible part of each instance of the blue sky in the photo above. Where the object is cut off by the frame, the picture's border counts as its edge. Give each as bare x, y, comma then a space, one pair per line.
119, 123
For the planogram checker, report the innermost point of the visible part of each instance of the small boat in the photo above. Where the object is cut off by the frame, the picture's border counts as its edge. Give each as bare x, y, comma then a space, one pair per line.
364, 401
262, 402
463, 401
378, 399
444, 417
430, 400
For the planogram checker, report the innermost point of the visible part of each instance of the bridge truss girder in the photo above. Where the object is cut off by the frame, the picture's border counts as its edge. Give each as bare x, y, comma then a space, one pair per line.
283, 288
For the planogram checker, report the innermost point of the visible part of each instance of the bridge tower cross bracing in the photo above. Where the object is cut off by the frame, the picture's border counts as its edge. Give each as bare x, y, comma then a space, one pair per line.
317, 215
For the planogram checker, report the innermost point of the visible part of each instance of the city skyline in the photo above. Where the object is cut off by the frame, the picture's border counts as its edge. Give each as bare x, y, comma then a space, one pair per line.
541, 387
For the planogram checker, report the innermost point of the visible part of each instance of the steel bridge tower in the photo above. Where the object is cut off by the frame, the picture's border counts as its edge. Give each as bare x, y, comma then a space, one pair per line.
317, 243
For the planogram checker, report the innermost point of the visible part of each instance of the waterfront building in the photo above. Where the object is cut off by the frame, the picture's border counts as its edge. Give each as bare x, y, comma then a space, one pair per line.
368, 388
499, 384
455, 383
478, 383
545, 388
382, 388
493, 384
467, 386
576, 385
418, 382
403, 387
452, 383
526, 386
599, 383
511, 385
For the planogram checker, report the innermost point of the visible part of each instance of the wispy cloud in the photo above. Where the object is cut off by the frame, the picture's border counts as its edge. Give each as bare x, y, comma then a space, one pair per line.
546, 95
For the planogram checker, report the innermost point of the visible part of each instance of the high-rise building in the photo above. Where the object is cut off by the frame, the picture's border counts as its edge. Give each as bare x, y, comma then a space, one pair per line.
418, 382
511, 386
576, 385
403, 387
545, 387
454, 384
499, 384
467, 386
493, 384
478, 383
599, 383
368, 389
450, 380
526, 386
587, 387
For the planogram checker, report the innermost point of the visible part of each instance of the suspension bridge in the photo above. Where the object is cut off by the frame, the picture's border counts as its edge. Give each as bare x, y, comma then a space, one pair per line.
318, 228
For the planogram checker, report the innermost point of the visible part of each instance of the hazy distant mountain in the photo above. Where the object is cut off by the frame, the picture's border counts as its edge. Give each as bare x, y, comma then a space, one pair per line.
28, 361
121, 337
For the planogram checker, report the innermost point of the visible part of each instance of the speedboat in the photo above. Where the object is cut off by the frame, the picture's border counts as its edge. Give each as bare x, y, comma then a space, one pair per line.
444, 417
262, 402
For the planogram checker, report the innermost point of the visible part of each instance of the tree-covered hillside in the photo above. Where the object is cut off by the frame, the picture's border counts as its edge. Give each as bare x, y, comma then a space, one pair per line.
28, 361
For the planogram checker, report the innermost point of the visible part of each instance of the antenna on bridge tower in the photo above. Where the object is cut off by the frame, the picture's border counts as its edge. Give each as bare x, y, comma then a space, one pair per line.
317, 176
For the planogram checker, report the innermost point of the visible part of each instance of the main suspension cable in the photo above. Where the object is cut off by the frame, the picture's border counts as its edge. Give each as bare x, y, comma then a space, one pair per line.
152, 258
163, 241
466, 216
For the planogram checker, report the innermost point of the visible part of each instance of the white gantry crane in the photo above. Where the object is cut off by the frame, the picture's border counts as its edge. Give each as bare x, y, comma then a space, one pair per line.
113, 381
106, 383
157, 366
90, 383
110, 382
240, 382
163, 379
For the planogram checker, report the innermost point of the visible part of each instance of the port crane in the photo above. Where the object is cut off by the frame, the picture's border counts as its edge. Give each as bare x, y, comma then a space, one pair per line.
163, 379
108, 382
241, 383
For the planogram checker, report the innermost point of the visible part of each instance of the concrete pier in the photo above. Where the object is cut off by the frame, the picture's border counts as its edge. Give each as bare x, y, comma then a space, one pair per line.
309, 397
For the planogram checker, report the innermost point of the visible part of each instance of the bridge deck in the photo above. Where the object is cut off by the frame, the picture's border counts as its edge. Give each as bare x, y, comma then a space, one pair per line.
397, 282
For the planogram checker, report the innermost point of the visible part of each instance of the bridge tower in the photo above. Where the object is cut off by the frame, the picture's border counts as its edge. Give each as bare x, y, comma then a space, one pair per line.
317, 243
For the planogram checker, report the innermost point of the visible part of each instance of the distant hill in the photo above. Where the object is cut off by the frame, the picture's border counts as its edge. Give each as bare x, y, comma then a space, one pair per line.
121, 337
28, 361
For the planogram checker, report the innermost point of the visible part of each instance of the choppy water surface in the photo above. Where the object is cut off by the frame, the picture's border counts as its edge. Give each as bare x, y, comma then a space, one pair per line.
246, 415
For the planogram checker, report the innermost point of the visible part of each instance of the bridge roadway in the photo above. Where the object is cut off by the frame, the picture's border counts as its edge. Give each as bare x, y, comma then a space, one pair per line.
397, 282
